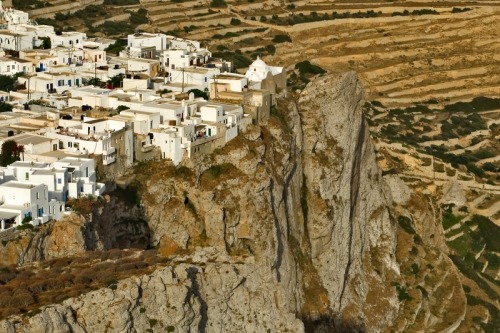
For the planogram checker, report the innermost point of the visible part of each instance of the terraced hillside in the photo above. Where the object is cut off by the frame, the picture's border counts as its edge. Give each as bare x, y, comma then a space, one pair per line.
405, 52
432, 75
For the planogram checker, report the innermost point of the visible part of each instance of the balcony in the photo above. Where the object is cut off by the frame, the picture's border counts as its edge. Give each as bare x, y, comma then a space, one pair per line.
99, 189
109, 151
147, 148
107, 160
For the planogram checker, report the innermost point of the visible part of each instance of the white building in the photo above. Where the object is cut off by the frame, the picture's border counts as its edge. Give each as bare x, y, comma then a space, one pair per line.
52, 82
11, 15
81, 176
42, 173
107, 137
37, 31
262, 76
142, 122
11, 66
36, 192
185, 79
27, 200
67, 39
16, 41
42, 59
148, 67
140, 39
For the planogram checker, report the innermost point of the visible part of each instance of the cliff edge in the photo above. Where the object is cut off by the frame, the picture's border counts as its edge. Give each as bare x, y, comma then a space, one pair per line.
289, 228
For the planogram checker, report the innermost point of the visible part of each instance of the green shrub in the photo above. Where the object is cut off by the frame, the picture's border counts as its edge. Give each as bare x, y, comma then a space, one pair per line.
282, 39
449, 220
460, 10
305, 67
235, 21
405, 224
121, 2
25, 226
116, 47
489, 231
217, 3
403, 294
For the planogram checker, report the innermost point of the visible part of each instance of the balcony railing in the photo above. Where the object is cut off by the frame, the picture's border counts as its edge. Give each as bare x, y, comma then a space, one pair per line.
109, 160
109, 151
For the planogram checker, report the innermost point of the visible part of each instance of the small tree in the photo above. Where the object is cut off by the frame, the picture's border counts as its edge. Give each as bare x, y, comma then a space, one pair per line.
7, 82
46, 43
199, 93
116, 48
122, 108
94, 82
5, 107
116, 81
10, 153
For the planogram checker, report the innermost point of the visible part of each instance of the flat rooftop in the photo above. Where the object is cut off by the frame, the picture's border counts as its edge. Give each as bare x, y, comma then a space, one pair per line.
44, 172
62, 154
26, 139
198, 70
131, 112
149, 61
72, 161
95, 121
16, 184
227, 77
28, 164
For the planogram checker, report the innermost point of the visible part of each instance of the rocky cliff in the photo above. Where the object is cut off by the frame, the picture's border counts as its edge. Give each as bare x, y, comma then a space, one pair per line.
107, 224
289, 228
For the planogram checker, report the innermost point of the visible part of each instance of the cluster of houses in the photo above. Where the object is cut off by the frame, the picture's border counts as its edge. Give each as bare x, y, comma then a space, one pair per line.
72, 127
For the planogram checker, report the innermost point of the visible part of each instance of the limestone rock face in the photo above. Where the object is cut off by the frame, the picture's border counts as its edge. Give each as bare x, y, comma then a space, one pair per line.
112, 224
288, 228
172, 299
349, 213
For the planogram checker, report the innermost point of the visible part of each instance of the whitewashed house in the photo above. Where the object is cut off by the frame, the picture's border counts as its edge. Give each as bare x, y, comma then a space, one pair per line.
13, 16
81, 176
67, 39
16, 41
27, 201
11, 66
51, 82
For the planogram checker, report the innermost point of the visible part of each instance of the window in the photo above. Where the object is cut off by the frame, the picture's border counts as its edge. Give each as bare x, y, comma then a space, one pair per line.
70, 144
27, 175
38, 195
59, 180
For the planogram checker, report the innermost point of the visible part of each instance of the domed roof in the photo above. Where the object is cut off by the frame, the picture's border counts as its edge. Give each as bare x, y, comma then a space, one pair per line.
258, 63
